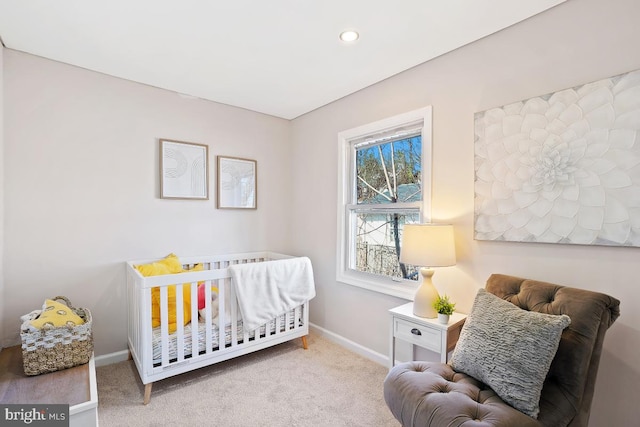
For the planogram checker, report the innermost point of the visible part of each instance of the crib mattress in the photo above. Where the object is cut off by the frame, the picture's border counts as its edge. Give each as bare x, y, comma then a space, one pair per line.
188, 331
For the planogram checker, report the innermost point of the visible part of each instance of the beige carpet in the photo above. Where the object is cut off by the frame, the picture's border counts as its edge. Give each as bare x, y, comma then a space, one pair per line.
325, 385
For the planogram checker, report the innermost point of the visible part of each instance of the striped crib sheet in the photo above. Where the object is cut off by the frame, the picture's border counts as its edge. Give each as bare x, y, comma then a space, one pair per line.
188, 330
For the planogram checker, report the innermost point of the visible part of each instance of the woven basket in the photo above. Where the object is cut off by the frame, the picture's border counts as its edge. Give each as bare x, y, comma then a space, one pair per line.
53, 349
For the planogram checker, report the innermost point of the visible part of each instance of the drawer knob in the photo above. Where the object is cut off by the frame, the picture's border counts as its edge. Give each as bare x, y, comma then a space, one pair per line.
416, 331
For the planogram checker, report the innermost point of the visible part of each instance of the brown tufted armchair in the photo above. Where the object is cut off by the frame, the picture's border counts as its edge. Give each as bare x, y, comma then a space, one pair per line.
422, 394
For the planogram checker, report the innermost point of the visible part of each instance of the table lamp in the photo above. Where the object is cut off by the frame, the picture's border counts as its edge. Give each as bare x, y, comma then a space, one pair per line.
427, 246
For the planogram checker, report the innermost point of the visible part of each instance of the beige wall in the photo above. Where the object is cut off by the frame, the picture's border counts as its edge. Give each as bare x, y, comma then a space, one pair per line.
572, 44
81, 194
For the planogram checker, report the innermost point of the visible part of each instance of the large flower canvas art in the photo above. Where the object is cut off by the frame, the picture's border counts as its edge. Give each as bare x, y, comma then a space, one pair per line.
562, 167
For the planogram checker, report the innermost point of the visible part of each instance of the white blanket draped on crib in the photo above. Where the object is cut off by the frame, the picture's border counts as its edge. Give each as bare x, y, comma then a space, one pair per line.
268, 289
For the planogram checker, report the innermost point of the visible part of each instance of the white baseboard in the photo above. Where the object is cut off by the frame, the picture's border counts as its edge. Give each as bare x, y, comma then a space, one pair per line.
108, 359
381, 359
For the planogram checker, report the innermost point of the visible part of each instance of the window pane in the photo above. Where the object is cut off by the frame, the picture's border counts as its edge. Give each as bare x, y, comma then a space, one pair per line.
390, 172
378, 241
385, 169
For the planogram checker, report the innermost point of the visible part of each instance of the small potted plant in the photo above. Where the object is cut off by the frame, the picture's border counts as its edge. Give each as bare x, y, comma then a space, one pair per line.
445, 308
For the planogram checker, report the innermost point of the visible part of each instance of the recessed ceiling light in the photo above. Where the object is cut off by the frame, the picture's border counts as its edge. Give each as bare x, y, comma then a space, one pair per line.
349, 36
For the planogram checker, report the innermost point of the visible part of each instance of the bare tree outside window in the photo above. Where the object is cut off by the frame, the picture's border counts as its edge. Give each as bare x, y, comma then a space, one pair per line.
389, 176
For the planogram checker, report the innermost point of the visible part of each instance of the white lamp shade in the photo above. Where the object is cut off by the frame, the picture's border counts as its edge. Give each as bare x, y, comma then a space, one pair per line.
428, 245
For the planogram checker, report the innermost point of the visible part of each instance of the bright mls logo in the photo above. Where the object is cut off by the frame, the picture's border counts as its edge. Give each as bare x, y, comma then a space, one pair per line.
34, 415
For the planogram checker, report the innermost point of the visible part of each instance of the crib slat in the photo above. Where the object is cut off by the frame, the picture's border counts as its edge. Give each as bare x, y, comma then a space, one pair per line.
208, 317
287, 321
164, 325
233, 310
277, 323
305, 314
179, 308
220, 306
194, 320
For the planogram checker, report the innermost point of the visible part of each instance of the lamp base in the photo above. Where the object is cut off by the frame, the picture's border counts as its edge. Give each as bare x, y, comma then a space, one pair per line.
425, 296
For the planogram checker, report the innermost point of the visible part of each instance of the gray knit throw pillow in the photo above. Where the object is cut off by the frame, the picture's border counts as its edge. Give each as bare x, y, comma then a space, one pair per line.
509, 349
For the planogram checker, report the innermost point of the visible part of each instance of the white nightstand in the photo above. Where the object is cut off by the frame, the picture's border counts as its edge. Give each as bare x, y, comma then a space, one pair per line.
425, 333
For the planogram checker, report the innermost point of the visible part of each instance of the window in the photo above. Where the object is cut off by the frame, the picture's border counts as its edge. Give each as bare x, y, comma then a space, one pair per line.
384, 183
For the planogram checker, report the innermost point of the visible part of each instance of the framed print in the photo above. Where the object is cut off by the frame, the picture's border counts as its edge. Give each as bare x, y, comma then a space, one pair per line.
183, 170
237, 186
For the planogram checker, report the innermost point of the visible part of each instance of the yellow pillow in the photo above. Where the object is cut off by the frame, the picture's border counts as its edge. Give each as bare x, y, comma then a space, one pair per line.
171, 301
56, 314
169, 265
171, 297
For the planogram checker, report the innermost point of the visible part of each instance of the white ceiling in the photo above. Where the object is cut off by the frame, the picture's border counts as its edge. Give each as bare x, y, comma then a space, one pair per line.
279, 57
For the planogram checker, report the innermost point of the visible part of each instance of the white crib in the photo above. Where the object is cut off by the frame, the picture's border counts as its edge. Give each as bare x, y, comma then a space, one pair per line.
159, 354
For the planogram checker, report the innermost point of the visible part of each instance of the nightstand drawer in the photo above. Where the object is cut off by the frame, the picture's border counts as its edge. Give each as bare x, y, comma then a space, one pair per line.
418, 334
423, 332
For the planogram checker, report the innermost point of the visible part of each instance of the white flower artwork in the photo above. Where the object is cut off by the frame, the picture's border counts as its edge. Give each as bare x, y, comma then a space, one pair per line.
563, 167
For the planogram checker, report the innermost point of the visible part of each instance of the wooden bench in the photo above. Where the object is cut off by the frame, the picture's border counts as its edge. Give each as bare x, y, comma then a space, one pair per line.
74, 386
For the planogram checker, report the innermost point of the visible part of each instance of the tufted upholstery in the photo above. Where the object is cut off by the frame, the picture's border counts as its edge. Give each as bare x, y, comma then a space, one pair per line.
424, 394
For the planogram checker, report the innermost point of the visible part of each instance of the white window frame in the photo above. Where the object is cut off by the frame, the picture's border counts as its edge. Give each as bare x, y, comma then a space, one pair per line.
402, 288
